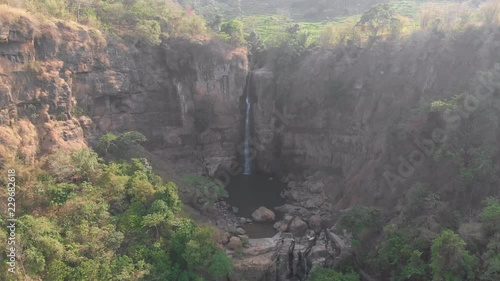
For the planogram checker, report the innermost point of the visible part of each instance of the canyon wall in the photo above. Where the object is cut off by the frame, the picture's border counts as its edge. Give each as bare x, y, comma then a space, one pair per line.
339, 132
354, 115
68, 84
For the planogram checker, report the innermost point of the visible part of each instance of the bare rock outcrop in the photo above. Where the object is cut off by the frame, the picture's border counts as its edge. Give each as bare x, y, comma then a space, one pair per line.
73, 84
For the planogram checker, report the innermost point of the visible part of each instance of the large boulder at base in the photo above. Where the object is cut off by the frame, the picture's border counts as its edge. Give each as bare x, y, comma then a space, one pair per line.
234, 243
298, 227
263, 214
315, 223
221, 236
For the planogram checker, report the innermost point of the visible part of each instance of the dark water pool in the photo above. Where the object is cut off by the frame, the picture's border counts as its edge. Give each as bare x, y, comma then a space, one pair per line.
248, 193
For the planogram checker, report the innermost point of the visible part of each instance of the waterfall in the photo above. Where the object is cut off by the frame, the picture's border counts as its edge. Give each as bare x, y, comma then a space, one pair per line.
246, 167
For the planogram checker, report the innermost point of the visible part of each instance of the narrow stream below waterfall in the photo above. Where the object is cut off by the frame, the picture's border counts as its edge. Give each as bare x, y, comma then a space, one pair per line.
249, 192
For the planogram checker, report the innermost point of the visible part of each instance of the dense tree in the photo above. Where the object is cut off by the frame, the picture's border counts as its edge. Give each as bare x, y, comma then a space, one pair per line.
378, 18
110, 144
360, 219
491, 260
220, 265
450, 260
233, 29
491, 216
401, 256
116, 221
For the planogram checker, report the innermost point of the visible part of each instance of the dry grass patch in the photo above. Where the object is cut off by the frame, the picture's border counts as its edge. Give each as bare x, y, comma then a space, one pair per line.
22, 19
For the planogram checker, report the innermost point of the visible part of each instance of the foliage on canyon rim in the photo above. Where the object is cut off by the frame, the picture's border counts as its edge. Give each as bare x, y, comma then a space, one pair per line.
148, 21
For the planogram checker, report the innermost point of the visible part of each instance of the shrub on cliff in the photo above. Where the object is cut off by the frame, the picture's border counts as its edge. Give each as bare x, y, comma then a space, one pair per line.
221, 265
234, 30
110, 144
148, 31
78, 165
450, 259
380, 18
491, 260
333, 34
401, 255
360, 219
206, 191
491, 216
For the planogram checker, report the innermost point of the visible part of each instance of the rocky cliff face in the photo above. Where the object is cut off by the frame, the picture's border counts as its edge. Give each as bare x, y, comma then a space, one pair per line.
68, 84
352, 116
341, 132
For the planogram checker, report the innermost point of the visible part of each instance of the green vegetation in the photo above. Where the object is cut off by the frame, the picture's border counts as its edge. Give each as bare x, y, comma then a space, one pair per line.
401, 255
325, 274
491, 216
380, 18
221, 264
422, 243
363, 223
233, 31
110, 144
491, 259
206, 191
151, 21
84, 219
360, 219
450, 260
421, 199
147, 21
270, 27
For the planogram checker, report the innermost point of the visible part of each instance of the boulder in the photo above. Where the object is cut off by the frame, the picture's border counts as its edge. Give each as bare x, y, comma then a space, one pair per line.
287, 219
293, 210
221, 236
315, 223
315, 187
240, 231
281, 226
298, 227
234, 243
263, 214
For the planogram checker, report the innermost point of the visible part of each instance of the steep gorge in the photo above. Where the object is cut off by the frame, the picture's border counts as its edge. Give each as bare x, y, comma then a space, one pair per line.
346, 116
350, 115
74, 84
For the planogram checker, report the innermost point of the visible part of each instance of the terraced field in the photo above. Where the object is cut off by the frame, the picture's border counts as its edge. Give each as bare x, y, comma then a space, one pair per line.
271, 20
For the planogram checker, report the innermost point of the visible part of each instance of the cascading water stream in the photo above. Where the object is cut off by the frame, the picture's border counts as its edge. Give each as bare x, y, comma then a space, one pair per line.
246, 167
